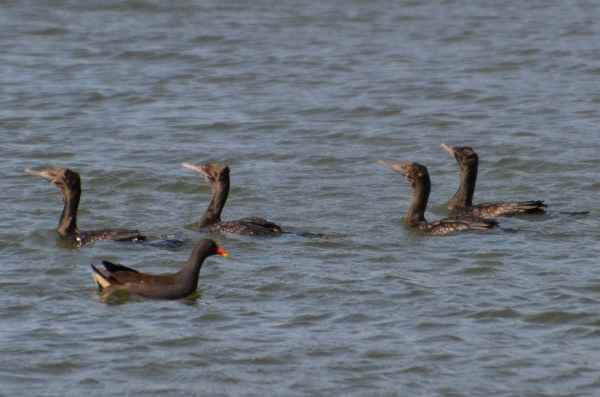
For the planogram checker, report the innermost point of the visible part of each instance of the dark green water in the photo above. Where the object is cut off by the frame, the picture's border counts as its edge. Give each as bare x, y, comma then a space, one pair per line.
302, 99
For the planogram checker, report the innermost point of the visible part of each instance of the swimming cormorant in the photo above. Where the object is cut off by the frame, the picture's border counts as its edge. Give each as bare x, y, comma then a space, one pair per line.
69, 184
218, 176
418, 176
462, 201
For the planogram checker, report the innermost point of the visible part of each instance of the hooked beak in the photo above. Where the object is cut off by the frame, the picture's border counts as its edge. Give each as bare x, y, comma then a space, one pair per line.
46, 174
395, 167
197, 168
449, 149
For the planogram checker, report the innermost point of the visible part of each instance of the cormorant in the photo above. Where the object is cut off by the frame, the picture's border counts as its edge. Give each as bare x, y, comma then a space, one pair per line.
69, 184
462, 201
418, 176
218, 176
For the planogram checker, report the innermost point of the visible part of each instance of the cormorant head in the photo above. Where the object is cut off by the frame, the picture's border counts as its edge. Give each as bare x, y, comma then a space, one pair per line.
412, 171
64, 178
464, 156
212, 172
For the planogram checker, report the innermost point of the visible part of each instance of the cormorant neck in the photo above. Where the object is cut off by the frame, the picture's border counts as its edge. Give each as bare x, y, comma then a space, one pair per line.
220, 190
468, 178
67, 224
416, 212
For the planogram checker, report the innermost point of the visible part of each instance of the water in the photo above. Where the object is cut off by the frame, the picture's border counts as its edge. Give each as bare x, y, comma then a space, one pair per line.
302, 99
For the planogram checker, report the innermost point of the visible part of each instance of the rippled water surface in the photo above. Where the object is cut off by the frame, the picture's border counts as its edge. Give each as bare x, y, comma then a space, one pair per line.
302, 99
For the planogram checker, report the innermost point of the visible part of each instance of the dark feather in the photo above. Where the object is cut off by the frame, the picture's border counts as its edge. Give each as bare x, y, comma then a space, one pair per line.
113, 267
